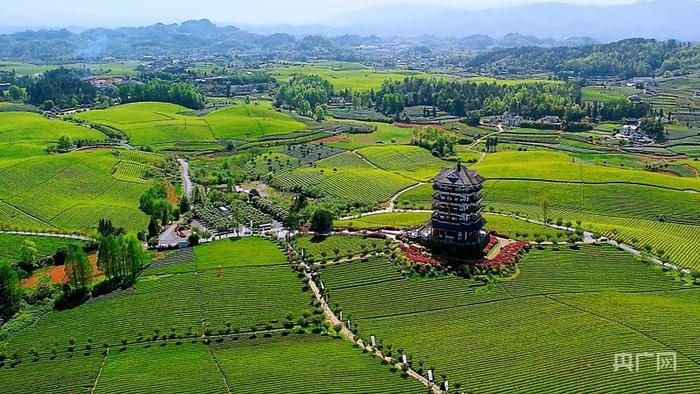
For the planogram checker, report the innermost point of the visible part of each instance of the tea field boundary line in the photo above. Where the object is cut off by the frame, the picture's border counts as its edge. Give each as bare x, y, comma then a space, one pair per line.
99, 373
218, 367
27, 213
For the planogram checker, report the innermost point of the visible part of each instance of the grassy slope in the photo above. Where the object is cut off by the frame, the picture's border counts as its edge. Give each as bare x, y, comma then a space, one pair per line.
150, 123
251, 121
26, 134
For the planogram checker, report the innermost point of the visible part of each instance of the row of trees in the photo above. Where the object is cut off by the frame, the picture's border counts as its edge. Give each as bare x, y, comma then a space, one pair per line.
532, 100
180, 93
121, 257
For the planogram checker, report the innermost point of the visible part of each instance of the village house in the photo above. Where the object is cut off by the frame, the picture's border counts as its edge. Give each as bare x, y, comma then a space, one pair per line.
4, 87
511, 119
696, 94
551, 119
635, 99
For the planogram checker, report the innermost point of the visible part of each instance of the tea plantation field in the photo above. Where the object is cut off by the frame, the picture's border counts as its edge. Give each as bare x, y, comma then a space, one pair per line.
26, 134
573, 301
410, 161
45, 246
179, 302
156, 124
69, 192
250, 121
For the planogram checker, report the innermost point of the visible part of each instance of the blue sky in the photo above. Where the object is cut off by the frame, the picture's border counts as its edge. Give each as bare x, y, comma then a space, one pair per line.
53, 13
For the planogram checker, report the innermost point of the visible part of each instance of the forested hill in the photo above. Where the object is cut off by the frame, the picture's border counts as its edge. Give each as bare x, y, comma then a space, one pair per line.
623, 59
196, 36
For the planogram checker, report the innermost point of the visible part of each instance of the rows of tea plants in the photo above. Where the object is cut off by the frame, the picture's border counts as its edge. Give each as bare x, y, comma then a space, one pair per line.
129, 171
291, 364
556, 166
60, 373
139, 156
311, 152
172, 368
376, 288
238, 252
638, 201
551, 346
140, 311
174, 262
410, 161
51, 187
588, 268
670, 317
246, 297
344, 160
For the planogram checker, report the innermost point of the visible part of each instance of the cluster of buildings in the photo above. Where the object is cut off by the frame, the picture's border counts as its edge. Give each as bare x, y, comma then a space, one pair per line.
633, 132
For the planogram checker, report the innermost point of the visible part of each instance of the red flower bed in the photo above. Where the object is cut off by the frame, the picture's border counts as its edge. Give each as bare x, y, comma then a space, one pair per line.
417, 256
509, 255
492, 242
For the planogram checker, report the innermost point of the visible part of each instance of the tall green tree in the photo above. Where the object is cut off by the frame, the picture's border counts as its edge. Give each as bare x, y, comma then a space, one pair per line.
78, 267
28, 254
10, 292
322, 221
134, 256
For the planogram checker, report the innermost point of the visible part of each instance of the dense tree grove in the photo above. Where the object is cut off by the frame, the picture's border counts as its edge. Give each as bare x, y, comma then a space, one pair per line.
154, 202
121, 257
78, 268
61, 88
622, 59
532, 100
653, 128
439, 143
166, 91
307, 94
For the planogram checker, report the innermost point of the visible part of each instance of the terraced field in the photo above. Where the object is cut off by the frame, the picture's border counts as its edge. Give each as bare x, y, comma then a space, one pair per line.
410, 161
245, 122
279, 366
557, 293
370, 186
69, 192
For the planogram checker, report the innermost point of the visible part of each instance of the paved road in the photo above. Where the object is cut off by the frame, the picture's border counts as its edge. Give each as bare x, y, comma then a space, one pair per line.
186, 181
54, 235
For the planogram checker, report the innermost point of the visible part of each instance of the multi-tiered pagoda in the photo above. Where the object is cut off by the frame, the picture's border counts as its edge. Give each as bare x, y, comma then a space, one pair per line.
457, 226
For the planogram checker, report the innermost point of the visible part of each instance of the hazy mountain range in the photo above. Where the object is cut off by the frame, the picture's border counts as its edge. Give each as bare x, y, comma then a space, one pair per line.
660, 19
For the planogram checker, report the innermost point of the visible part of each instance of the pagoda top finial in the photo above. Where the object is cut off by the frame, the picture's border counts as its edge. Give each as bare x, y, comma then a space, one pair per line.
459, 163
